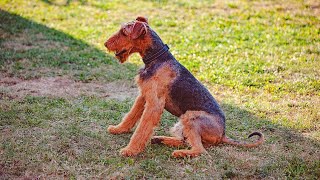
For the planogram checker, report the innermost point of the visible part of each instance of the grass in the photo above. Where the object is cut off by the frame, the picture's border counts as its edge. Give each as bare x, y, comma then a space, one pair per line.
260, 59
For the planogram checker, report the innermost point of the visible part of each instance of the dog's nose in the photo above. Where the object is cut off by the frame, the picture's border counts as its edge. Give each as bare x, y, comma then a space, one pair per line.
106, 44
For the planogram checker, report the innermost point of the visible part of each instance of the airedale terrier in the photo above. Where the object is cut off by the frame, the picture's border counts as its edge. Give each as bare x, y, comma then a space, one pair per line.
165, 84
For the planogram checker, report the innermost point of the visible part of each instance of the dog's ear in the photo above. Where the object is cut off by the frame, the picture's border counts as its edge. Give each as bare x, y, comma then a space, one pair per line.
138, 30
142, 19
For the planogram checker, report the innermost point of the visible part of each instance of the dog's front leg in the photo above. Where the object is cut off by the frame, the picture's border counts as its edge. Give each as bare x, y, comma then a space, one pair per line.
150, 119
131, 118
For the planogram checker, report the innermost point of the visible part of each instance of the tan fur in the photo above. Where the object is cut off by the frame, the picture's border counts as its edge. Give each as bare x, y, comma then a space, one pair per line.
119, 42
131, 118
151, 102
200, 129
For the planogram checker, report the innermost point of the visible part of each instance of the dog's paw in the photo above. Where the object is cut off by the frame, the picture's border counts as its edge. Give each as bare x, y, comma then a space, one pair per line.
116, 130
185, 153
128, 152
113, 129
156, 140
179, 153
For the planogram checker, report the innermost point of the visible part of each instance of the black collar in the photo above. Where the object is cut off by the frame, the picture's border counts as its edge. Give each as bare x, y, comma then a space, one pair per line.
154, 56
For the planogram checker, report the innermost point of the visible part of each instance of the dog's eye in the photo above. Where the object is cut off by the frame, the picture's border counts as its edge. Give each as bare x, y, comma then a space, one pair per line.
122, 32
126, 31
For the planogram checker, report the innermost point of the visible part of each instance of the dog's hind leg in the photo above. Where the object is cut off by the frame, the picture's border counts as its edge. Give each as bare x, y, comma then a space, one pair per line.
194, 139
130, 119
176, 140
169, 141
191, 132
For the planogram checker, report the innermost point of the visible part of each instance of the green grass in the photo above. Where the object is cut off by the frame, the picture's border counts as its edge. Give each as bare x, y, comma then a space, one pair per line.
260, 59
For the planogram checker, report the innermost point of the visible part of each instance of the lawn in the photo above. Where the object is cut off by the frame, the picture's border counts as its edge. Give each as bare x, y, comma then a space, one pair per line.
60, 88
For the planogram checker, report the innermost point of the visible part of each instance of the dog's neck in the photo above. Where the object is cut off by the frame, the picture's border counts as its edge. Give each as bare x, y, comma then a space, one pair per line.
154, 52
151, 57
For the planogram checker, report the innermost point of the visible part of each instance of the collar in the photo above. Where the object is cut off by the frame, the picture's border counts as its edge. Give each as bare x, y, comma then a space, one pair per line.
148, 60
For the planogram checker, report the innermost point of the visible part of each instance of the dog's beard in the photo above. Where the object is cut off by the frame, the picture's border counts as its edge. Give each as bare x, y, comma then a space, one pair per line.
122, 58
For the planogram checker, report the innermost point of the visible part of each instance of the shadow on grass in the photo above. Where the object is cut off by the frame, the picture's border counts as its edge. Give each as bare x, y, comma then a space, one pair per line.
76, 133
31, 50
285, 150
67, 134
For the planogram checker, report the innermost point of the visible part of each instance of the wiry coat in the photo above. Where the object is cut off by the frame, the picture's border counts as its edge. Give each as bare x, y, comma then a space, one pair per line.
166, 84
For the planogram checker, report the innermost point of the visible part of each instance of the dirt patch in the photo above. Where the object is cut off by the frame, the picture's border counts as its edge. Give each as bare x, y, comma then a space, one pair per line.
22, 42
15, 88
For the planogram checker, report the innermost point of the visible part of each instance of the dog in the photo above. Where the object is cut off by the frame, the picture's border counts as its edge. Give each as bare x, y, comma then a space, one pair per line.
165, 84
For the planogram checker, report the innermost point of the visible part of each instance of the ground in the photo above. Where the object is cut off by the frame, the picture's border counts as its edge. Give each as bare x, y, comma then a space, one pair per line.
60, 89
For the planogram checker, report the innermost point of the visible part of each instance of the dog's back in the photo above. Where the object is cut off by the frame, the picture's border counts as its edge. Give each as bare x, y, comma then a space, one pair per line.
186, 93
189, 94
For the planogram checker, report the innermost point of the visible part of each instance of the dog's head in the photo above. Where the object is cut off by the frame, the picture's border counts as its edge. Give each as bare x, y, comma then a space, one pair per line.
132, 37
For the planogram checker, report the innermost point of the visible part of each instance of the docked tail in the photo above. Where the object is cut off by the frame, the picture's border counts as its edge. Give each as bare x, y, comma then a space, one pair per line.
227, 140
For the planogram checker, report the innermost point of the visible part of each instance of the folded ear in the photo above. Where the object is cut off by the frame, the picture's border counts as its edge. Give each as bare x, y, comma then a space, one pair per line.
142, 19
139, 29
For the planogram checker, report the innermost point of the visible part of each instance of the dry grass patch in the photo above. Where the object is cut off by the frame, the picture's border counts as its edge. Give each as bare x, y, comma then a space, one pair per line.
64, 87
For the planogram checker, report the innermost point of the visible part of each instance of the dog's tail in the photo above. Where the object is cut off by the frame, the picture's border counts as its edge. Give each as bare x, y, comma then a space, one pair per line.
227, 140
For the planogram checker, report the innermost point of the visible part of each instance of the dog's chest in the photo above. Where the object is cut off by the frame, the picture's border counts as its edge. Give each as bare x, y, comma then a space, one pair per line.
158, 79
148, 72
